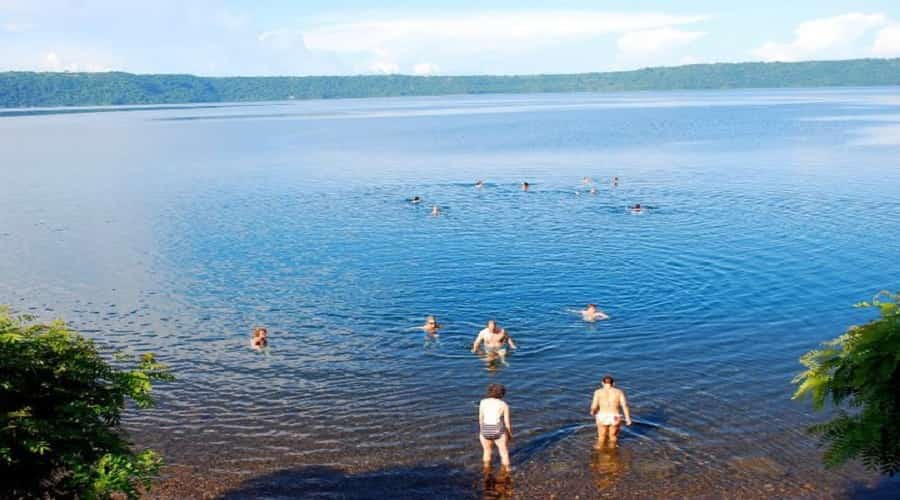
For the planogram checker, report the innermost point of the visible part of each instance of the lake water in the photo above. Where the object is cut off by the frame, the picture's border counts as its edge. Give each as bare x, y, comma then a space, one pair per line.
178, 230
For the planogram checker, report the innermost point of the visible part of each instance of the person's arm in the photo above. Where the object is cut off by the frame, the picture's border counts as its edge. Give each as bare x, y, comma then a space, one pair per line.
476, 343
602, 315
512, 344
595, 405
480, 415
624, 402
507, 422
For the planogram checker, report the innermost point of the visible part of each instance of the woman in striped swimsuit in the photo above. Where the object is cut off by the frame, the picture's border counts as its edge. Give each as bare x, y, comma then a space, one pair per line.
493, 419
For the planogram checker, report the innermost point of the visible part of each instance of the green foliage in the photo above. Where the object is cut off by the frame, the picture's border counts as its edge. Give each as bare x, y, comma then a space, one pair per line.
859, 372
27, 89
60, 412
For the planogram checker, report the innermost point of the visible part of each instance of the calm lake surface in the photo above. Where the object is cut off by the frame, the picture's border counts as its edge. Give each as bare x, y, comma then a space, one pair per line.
178, 230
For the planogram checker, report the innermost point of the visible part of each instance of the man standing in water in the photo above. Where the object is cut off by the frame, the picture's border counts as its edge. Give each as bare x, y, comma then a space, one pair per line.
605, 409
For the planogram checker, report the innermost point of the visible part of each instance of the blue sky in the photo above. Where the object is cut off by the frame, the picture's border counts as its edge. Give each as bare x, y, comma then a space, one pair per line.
440, 37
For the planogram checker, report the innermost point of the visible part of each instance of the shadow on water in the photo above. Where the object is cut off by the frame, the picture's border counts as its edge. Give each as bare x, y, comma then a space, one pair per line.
887, 488
434, 481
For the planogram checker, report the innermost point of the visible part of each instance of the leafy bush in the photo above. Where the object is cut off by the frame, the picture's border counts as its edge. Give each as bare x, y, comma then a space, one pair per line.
861, 370
60, 414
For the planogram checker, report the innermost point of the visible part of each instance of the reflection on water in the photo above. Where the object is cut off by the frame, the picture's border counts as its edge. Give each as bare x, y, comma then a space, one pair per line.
179, 236
497, 483
608, 465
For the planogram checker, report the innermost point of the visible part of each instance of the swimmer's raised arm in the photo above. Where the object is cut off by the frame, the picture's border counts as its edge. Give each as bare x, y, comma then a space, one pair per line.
476, 343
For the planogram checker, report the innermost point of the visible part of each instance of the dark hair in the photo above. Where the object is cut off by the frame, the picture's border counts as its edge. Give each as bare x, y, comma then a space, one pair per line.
608, 380
496, 391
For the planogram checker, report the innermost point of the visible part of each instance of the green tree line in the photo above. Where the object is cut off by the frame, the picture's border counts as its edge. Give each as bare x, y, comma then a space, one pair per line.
29, 89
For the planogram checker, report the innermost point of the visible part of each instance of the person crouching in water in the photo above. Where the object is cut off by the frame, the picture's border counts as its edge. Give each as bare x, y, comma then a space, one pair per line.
605, 410
495, 340
591, 313
260, 339
431, 325
494, 425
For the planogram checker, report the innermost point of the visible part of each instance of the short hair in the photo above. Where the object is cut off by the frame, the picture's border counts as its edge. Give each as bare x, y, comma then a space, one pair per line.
609, 380
496, 391
260, 329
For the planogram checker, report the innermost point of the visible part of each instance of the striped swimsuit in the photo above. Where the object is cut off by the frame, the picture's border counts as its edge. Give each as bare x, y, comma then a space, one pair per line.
495, 430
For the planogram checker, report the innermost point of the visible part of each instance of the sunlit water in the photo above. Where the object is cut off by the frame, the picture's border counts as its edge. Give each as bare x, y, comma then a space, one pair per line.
178, 230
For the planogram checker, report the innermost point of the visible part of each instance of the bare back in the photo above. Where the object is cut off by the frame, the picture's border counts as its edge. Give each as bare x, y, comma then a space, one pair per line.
608, 400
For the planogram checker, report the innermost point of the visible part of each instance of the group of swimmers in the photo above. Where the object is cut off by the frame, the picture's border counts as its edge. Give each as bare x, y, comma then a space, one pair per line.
495, 426
525, 186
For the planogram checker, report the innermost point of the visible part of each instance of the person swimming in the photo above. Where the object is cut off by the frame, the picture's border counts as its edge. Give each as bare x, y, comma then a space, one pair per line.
525, 186
479, 183
435, 210
593, 190
591, 313
260, 339
636, 208
494, 425
615, 181
495, 340
431, 325
415, 200
605, 410
586, 181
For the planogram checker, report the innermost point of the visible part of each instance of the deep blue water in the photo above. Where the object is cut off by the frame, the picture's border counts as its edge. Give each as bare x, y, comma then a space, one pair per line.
178, 230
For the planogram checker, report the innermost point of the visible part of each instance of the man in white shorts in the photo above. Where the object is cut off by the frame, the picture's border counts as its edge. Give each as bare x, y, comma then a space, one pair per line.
605, 409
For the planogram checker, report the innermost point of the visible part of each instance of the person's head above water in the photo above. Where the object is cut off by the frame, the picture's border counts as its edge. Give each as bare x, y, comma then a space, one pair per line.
491, 325
496, 391
260, 332
525, 186
608, 380
591, 307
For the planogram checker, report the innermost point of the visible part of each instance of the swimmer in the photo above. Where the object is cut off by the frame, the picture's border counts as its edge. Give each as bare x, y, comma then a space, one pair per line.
435, 211
260, 339
415, 200
494, 426
495, 340
593, 190
586, 181
479, 183
615, 181
591, 313
636, 208
605, 410
525, 186
431, 325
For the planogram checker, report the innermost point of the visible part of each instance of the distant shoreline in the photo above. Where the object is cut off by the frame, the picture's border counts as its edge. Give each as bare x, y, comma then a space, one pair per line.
22, 89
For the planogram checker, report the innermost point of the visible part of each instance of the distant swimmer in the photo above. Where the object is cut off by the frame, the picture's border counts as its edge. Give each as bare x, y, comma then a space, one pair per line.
586, 181
479, 183
260, 339
593, 190
591, 313
494, 425
605, 410
636, 208
415, 200
615, 181
435, 211
525, 186
431, 325
495, 340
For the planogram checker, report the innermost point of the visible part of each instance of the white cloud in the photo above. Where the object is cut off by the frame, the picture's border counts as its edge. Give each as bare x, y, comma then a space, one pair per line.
384, 67
51, 61
282, 39
456, 39
425, 69
887, 44
646, 42
829, 37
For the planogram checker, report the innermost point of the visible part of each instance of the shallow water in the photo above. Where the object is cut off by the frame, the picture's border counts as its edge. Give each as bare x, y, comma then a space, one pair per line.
178, 230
